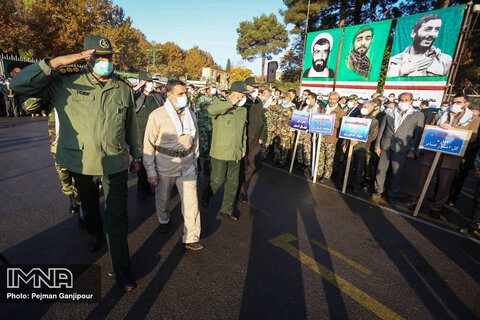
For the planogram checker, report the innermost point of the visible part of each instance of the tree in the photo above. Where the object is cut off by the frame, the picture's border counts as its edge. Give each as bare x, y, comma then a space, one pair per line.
240, 74
228, 67
195, 60
262, 37
291, 62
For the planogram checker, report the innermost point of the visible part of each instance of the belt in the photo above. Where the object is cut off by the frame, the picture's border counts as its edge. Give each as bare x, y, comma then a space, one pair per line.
175, 154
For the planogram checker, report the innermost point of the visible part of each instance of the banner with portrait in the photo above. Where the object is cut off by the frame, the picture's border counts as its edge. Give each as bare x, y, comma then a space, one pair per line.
422, 54
320, 61
363, 48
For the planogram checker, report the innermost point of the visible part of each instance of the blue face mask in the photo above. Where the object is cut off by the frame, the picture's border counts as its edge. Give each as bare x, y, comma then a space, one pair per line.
103, 68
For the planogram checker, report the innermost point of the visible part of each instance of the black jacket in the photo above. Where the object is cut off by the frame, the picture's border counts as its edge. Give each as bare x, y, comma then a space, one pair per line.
255, 125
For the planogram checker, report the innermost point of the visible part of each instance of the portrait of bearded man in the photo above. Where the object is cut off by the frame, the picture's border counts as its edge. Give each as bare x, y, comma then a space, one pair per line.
422, 58
321, 47
357, 59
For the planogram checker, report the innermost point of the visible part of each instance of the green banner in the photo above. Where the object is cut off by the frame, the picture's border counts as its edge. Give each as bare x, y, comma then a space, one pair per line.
321, 53
424, 45
363, 48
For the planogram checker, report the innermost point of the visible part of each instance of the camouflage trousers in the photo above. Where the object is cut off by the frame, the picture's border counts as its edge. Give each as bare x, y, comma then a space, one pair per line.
205, 142
281, 147
68, 186
304, 149
371, 168
326, 158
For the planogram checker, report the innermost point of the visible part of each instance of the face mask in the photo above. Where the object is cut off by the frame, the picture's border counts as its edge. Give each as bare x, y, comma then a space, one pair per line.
181, 102
456, 108
382, 108
149, 87
284, 103
254, 94
103, 68
443, 108
307, 102
391, 99
404, 106
242, 101
213, 91
364, 112
350, 104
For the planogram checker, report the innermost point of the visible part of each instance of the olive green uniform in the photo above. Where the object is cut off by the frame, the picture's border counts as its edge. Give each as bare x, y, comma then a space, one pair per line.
98, 131
229, 141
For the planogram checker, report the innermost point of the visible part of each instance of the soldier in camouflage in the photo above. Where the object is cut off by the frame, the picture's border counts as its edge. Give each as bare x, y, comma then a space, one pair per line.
304, 151
272, 111
283, 133
205, 125
37, 105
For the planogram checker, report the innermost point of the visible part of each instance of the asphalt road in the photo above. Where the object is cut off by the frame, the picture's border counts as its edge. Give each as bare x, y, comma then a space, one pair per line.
300, 250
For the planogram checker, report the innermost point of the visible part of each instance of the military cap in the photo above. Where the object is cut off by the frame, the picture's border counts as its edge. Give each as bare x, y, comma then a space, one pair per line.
144, 76
101, 45
250, 81
239, 86
353, 97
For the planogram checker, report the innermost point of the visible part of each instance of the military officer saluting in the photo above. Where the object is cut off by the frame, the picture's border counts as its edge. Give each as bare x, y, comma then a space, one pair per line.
98, 130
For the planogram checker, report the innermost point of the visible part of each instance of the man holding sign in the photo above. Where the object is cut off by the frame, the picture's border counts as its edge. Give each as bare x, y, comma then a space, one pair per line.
305, 138
458, 116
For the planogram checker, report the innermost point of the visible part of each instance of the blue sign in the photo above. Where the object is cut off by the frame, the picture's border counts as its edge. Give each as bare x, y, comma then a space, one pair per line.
450, 141
322, 123
355, 128
300, 120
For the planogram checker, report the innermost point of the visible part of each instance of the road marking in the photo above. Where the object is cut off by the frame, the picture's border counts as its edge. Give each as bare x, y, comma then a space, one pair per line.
361, 297
342, 257
408, 216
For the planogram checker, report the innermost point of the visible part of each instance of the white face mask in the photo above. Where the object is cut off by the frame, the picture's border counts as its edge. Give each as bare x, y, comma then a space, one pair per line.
456, 108
213, 91
149, 87
404, 106
307, 102
254, 94
181, 102
391, 99
364, 111
262, 98
242, 101
350, 104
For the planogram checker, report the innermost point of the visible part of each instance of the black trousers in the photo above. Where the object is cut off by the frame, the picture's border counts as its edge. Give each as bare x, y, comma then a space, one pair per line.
358, 165
142, 183
445, 179
116, 219
251, 163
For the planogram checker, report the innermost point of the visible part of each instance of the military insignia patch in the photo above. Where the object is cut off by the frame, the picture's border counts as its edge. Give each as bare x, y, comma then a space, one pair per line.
69, 69
76, 69
63, 71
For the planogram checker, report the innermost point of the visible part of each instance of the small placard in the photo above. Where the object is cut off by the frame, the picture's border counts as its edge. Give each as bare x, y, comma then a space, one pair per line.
451, 141
355, 128
322, 123
300, 120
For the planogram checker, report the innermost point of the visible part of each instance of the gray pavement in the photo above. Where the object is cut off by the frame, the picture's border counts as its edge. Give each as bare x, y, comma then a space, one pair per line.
300, 250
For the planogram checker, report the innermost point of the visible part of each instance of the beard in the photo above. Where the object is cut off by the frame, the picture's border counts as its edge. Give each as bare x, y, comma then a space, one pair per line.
319, 65
360, 63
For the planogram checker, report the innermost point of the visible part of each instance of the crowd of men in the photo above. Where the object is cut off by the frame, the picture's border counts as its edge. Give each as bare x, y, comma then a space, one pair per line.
98, 122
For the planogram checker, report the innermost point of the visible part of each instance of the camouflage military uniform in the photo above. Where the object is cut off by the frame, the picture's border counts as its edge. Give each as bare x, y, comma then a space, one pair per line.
34, 105
325, 159
282, 142
204, 125
271, 117
304, 148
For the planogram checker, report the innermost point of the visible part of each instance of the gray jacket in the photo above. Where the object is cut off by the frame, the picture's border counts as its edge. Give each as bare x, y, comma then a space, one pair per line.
406, 138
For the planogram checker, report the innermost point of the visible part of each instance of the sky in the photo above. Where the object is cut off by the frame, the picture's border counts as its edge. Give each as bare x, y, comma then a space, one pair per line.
211, 25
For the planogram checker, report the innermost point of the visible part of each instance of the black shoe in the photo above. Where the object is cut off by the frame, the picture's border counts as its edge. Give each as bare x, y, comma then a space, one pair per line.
469, 228
243, 197
230, 216
95, 243
435, 214
163, 228
74, 209
194, 246
324, 180
124, 279
140, 194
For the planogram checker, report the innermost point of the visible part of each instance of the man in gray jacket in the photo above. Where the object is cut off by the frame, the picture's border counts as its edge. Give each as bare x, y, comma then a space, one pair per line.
398, 138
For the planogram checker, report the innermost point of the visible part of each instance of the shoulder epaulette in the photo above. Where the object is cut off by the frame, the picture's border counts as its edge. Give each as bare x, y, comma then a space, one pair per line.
66, 70
125, 80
